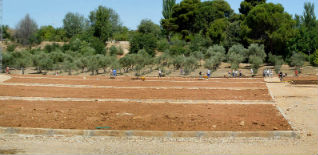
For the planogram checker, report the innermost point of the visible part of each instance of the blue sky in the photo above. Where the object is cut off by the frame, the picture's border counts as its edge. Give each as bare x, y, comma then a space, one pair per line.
52, 12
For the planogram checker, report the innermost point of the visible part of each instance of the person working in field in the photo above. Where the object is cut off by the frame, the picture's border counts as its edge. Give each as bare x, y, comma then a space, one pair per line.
209, 73
114, 72
159, 73
281, 76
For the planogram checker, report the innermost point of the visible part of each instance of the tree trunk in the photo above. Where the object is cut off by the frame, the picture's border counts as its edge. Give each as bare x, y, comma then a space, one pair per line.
69, 72
22, 70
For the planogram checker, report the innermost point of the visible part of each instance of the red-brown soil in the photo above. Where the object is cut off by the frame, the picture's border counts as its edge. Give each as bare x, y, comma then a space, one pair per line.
137, 83
140, 116
144, 93
301, 78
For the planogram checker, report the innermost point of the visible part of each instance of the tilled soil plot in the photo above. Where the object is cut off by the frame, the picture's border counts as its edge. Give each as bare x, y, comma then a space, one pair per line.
144, 93
138, 83
301, 78
140, 116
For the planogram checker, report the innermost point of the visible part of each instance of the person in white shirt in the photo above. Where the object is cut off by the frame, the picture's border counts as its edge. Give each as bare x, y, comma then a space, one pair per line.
209, 73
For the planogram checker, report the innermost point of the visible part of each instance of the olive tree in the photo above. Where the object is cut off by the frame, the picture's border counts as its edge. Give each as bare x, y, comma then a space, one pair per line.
82, 63
93, 64
22, 60
198, 55
105, 62
190, 64
215, 54
297, 60
255, 62
42, 61
256, 56
69, 64
276, 61
236, 55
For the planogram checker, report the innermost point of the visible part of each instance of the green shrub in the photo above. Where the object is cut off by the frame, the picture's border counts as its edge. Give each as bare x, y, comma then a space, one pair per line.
113, 50
162, 44
314, 58
143, 41
120, 51
11, 47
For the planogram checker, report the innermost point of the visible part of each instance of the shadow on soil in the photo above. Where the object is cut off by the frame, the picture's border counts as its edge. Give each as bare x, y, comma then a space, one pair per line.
10, 151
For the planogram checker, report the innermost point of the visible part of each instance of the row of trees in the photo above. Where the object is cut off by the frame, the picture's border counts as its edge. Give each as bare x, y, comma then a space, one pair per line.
258, 22
80, 56
103, 24
192, 33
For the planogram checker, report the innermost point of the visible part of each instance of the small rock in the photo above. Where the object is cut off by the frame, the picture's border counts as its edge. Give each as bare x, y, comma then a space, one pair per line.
275, 128
308, 134
254, 123
242, 123
124, 114
214, 126
137, 117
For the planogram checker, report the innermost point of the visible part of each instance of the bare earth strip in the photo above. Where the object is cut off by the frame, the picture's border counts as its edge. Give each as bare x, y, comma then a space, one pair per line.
174, 94
129, 87
4, 98
129, 82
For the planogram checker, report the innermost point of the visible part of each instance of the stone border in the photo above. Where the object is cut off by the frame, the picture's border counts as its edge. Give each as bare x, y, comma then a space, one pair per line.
130, 133
3, 98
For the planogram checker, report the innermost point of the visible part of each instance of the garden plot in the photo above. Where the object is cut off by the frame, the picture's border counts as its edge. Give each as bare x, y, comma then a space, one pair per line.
141, 116
90, 106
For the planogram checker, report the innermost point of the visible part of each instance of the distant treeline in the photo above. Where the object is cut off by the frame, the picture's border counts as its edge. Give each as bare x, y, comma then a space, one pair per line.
191, 33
